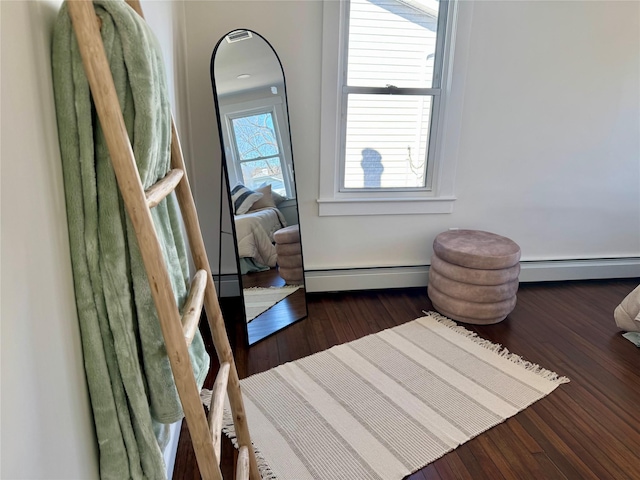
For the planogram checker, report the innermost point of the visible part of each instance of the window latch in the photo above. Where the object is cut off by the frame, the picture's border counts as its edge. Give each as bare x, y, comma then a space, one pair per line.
391, 88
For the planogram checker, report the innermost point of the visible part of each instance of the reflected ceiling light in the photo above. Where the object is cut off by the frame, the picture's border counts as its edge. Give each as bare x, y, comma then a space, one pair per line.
243, 76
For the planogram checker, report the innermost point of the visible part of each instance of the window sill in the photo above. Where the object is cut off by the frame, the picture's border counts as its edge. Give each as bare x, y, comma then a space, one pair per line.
328, 207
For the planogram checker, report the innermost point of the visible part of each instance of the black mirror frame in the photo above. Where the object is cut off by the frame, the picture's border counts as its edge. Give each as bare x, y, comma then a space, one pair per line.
224, 178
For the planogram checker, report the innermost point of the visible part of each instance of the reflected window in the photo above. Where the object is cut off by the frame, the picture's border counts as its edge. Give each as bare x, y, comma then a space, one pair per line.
258, 151
255, 148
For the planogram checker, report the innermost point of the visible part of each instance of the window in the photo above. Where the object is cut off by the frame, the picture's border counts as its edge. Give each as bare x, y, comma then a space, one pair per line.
392, 86
258, 151
386, 77
254, 146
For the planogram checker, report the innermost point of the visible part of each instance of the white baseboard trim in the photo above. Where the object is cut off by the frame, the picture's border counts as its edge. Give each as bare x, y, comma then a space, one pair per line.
532, 271
591, 269
365, 278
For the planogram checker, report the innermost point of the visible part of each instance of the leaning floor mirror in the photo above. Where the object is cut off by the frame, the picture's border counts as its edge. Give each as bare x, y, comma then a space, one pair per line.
253, 121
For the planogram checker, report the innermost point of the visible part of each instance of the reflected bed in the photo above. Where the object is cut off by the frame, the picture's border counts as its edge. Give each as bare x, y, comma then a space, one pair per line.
255, 231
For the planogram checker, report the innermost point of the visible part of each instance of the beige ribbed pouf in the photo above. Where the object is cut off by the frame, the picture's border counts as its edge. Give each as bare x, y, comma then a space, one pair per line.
473, 277
289, 253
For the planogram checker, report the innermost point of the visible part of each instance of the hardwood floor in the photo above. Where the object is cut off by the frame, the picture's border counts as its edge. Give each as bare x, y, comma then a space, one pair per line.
586, 429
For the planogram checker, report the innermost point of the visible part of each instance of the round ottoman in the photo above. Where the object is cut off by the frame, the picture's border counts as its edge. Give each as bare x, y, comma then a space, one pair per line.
473, 277
289, 253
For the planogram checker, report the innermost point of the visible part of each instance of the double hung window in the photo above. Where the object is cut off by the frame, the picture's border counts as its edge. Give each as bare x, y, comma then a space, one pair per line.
391, 92
392, 65
256, 149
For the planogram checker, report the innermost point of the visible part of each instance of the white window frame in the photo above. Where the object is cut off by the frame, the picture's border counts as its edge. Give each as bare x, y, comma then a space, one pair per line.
438, 196
255, 107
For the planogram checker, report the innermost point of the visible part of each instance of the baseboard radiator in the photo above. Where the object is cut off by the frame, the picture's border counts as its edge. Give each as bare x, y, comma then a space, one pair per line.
532, 271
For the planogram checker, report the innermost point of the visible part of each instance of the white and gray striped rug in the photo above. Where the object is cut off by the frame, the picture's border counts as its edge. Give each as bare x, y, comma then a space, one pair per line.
258, 300
385, 405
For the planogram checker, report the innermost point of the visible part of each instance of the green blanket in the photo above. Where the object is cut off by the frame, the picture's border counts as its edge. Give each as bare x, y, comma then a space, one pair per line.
132, 390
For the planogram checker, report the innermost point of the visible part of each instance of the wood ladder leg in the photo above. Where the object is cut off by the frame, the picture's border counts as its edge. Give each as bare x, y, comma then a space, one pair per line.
212, 308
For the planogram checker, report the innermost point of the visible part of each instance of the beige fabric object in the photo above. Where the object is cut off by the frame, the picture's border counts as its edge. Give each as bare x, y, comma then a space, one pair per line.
290, 234
288, 248
266, 200
292, 276
258, 300
476, 249
627, 314
387, 404
474, 312
290, 261
289, 254
473, 276
471, 292
254, 233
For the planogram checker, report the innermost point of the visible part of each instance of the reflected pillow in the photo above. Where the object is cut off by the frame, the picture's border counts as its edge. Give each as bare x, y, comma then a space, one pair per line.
243, 198
266, 200
277, 198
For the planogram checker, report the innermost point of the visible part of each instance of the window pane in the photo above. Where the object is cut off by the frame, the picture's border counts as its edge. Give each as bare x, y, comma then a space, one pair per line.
392, 42
255, 136
267, 170
386, 141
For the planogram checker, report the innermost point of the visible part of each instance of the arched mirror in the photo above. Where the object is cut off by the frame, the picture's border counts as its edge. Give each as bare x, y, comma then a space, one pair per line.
253, 119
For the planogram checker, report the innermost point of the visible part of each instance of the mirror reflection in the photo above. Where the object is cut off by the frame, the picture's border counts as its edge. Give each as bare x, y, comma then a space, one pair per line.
251, 103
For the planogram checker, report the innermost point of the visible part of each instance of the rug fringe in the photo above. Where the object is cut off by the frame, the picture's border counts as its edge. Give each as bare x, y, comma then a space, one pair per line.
499, 349
228, 428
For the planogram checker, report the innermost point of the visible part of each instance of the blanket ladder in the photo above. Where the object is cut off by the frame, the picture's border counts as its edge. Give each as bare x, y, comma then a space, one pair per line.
177, 332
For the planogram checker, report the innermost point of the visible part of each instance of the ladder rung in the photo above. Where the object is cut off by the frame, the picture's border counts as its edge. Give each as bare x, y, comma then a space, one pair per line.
193, 305
159, 190
242, 469
216, 408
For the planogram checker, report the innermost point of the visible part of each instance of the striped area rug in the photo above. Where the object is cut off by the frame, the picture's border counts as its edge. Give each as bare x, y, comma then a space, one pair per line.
258, 300
385, 405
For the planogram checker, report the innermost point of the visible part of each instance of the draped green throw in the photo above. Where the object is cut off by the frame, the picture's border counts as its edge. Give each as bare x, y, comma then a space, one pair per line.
133, 394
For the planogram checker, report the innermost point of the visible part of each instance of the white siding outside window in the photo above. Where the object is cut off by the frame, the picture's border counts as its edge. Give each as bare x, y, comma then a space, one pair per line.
386, 141
386, 134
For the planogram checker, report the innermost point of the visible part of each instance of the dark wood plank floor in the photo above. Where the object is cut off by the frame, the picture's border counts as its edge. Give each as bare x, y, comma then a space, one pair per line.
586, 429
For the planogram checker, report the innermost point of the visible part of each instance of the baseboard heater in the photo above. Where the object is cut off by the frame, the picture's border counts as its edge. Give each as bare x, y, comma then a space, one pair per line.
417, 276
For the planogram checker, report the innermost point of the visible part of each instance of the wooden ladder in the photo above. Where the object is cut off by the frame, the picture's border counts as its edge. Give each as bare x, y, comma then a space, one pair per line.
178, 332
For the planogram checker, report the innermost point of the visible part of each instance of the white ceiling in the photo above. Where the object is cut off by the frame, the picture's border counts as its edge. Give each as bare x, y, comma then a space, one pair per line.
253, 56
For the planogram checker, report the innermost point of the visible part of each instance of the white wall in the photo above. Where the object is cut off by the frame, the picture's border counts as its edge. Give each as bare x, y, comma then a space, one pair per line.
549, 151
47, 426
166, 19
